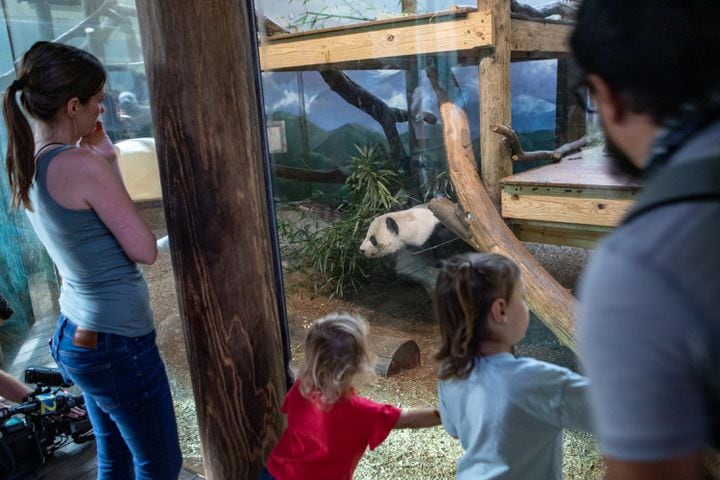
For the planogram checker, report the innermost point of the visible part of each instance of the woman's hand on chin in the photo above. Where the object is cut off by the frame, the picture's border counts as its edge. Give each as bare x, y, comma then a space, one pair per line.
99, 142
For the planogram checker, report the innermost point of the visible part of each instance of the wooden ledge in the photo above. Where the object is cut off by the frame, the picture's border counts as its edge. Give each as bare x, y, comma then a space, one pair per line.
398, 42
401, 37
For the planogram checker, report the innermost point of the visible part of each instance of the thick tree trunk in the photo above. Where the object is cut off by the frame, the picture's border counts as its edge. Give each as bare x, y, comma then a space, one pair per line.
552, 303
203, 79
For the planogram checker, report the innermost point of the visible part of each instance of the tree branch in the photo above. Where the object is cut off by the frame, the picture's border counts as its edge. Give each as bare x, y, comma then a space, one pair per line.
385, 115
450, 215
512, 141
336, 175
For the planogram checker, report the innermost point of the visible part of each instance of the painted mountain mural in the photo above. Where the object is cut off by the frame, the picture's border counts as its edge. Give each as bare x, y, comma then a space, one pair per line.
322, 129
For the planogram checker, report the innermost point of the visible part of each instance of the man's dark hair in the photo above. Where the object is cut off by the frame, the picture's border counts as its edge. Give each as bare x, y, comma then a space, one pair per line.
659, 54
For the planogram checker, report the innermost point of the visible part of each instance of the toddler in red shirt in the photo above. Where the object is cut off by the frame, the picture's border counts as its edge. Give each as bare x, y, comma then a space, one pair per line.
329, 425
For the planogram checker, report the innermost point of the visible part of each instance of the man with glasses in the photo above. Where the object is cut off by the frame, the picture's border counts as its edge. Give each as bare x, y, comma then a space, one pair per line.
650, 300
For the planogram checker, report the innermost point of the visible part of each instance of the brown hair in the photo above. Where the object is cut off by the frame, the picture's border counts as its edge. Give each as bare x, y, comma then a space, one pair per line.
50, 75
335, 352
466, 287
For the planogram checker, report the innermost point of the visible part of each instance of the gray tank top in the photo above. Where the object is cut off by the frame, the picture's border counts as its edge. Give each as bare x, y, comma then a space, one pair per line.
102, 289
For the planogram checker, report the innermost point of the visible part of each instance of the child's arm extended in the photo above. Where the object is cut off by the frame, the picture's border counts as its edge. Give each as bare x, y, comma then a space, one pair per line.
418, 418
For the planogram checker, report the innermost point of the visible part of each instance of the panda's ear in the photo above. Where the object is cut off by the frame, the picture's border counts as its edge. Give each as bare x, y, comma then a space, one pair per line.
392, 225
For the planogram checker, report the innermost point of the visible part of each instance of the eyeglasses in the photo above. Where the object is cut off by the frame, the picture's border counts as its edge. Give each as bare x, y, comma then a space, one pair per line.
583, 97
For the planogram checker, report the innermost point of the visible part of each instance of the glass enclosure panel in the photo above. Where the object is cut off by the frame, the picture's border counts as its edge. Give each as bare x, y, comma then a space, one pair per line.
358, 133
349, 140
108, 29
303, 15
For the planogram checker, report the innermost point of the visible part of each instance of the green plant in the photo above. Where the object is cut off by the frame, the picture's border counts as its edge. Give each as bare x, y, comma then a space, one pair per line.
330, 250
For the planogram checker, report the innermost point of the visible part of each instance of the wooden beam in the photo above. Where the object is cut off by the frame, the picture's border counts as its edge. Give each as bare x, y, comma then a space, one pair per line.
495, 161
359, 44
534, 36
452, 13
583, 236
588, 208
529, 40
203, 84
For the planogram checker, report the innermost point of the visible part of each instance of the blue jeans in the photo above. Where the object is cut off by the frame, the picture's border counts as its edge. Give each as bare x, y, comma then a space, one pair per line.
127, 397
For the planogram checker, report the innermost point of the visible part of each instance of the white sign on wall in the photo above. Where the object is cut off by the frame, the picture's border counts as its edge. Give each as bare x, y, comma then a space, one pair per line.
276, 137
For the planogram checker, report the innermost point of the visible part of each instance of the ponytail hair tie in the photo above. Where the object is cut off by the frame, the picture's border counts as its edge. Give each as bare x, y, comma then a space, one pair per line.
18, 84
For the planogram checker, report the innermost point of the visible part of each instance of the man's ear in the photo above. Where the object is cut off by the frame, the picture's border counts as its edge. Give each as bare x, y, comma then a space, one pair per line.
609, 102
72, 107
498, 310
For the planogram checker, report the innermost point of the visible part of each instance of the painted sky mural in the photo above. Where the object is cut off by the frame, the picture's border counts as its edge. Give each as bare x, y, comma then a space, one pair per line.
532, 89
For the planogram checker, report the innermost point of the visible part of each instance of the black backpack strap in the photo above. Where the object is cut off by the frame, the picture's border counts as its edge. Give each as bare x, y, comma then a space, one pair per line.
693, 181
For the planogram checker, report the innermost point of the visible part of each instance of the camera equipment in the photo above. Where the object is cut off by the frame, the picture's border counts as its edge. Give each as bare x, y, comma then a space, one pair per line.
50, 377
32, 431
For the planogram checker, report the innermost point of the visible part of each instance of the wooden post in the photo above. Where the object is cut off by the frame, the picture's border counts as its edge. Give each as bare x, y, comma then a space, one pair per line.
415, 125
45, 20
94, 42
409, 6
569, 116
495, 162
203, 74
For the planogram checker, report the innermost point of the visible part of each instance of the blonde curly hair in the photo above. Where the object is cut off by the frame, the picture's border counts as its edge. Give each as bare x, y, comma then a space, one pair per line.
336, 351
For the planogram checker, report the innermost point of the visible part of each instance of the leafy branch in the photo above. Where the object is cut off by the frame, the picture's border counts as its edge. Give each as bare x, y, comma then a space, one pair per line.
331, 251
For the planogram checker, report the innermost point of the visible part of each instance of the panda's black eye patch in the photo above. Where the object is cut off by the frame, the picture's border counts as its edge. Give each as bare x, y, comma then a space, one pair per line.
373, 240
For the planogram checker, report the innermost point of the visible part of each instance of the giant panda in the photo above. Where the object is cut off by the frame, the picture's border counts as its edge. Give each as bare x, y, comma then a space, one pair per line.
414, 228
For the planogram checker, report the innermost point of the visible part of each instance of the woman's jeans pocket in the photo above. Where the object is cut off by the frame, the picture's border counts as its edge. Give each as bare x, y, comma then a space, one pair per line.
128, 399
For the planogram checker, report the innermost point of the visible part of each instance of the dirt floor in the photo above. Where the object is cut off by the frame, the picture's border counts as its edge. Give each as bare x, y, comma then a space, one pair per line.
392, 308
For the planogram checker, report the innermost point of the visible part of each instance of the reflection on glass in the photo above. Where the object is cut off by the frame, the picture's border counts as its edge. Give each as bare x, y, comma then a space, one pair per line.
108, 29
355, 86
350, 141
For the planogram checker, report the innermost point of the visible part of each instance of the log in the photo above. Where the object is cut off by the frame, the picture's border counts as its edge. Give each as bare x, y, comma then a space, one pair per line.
336, 175
512, 141
394, 354
451, 216
552, 303
571, 147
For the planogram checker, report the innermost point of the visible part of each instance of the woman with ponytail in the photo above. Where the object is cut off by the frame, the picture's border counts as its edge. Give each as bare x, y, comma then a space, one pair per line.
65, 174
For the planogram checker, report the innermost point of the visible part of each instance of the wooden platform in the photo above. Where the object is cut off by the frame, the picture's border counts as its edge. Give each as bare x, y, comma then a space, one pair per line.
574, 202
